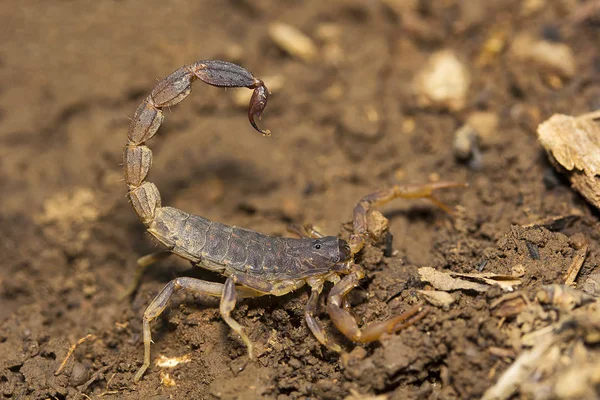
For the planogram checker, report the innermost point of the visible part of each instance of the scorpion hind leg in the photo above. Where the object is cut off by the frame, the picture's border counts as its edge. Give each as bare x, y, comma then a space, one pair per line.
159, 304
143, 263
228, 301
346, 323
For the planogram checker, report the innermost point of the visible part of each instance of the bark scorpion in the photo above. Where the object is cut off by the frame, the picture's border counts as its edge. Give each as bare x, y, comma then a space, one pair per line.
253, 264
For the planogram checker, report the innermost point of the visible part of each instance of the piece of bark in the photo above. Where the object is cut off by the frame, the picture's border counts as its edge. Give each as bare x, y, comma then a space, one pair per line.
574, 142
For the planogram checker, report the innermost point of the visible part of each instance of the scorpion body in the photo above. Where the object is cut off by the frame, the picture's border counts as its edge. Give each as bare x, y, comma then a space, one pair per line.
253, 264
233, 251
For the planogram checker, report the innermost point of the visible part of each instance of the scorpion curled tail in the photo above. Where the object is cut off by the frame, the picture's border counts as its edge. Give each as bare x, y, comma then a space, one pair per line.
137, 158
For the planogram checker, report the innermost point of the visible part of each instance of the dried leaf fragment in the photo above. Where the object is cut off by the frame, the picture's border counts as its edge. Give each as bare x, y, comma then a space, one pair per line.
506, 282
444, 281
479, 282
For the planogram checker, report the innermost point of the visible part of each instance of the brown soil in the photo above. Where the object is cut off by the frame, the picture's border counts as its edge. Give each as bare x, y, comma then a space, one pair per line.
71, 73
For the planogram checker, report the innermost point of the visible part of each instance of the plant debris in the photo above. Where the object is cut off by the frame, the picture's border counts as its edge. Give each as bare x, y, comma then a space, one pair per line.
574, 142
479, 282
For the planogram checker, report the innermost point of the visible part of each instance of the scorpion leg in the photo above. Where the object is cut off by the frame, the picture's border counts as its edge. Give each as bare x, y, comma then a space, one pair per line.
347, 324
192, 285
279, 289
143, 263
305, 230
358, 238
227, 305
313, 323
159, 304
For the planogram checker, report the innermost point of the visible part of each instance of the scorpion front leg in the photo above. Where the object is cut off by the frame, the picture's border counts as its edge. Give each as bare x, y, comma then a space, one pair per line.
313, 323
310, 313
360, 227
346, 323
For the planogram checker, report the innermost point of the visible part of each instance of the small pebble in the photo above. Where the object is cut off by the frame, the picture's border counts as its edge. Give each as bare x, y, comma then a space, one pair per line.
79, 374
361, 121
293, 41
378, 224
485, 124
592, 285
479, 129
518, 270
443, 82
438, 298
554, 57
464, 142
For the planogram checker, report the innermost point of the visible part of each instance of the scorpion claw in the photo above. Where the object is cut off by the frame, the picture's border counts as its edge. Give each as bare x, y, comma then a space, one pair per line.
258, 103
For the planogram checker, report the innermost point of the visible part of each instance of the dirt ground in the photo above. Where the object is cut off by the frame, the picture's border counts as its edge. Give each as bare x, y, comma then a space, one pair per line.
344, 123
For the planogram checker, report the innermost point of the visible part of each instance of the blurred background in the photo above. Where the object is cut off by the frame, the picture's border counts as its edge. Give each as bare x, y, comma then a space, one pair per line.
365, 94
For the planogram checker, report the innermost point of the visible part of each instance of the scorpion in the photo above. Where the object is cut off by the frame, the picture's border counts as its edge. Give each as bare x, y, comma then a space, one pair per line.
252, 263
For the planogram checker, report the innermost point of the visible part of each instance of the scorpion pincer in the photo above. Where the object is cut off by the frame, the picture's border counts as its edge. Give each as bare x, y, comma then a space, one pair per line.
253, 264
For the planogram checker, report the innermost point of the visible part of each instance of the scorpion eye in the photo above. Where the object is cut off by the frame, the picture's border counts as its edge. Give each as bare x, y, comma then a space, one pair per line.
318, 246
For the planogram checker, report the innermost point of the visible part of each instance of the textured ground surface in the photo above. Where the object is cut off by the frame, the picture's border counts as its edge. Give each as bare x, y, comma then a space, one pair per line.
72, 73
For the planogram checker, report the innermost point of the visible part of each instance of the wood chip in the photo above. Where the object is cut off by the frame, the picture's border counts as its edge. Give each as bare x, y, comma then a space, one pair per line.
574, 142
575, 266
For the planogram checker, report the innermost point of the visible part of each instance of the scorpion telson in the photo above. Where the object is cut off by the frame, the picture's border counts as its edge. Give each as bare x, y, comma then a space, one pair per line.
253, 264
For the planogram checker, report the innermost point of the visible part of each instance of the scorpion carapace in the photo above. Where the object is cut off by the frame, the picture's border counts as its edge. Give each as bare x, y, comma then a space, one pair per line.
253, 264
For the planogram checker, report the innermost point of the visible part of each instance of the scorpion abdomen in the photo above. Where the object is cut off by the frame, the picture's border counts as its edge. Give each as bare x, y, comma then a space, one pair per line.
220, 247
